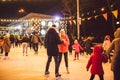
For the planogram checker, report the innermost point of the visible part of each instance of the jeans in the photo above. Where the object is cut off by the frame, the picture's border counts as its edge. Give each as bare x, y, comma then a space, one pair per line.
25, 47
76, 56
35, 47
93, 75
65, 58
6, 53
56, 64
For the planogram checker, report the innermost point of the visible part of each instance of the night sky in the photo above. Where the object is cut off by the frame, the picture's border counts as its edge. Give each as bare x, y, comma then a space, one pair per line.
10, 9
98, 27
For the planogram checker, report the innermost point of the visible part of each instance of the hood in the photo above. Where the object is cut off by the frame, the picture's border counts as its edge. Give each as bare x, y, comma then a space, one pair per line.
98, 49
51, 30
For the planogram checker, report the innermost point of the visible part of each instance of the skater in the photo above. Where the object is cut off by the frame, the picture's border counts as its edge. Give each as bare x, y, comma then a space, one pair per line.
1, 44
95, 62
115, 64
88, 45
106, 45
63, 48
77, 47
7, 46
35, 39
51, 42
25, 43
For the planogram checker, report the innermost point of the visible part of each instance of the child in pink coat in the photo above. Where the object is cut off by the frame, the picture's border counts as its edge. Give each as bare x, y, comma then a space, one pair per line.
95, 62
77, 47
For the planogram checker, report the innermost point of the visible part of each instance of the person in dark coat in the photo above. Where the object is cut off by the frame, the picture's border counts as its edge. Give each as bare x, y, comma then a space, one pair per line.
1, 44
115, 64
88, 45
7, 46
12, 39
51, 42
96, 61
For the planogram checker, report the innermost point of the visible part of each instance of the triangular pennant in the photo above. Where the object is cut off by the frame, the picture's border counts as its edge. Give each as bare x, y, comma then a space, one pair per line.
74, 21
96, 17
105, 16
115, 13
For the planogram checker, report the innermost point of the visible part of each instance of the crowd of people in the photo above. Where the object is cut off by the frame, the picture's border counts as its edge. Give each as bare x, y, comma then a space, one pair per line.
58, 44
11, 41
98, 55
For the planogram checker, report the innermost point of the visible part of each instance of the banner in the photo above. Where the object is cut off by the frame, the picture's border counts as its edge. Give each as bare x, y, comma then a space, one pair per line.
95, 17
74, 22
115, 13
105, 16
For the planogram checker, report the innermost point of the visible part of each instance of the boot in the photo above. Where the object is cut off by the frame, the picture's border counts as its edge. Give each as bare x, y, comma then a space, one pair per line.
46, 73
57, 75
67, 70
6, 57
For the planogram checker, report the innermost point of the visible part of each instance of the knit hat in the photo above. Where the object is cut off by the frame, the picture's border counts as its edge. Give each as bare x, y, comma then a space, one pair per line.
53, 25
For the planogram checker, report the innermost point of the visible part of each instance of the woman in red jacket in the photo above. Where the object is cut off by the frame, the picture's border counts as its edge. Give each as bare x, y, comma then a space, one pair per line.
95, 62
63, 48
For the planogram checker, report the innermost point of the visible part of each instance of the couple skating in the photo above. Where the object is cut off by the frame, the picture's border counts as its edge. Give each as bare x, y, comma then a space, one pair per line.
54, 44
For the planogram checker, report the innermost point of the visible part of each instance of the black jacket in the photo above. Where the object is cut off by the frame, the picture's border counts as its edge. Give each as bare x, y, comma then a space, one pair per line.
51, 42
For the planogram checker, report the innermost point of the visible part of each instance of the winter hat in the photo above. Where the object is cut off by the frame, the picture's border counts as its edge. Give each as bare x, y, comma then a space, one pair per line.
107, 37
53, 25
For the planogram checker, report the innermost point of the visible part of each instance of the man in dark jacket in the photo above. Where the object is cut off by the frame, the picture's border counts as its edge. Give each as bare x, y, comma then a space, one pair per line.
52, 40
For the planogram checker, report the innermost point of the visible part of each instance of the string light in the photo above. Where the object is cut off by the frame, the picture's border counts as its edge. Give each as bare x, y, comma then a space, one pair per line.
88, 13
102, 9
94, 11
18, 20
3, 0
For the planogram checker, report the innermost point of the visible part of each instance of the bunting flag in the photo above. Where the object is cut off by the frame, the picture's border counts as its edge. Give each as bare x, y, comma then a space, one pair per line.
95, 17
74, 21
115, 13
105, 16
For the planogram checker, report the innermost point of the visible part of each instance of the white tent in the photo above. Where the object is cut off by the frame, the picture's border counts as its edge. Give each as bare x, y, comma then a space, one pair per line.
37, 16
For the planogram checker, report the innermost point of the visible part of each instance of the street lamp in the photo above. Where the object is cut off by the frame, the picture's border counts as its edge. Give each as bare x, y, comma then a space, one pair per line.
78, 20
21, 10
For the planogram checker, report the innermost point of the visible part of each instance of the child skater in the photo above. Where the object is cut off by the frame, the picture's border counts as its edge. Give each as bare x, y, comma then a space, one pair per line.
106, 45
77, 47
95, 62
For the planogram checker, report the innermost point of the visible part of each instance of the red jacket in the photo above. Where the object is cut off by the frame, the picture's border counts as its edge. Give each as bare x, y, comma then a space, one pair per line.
96, 60
1, 42
77, 47
64, 47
